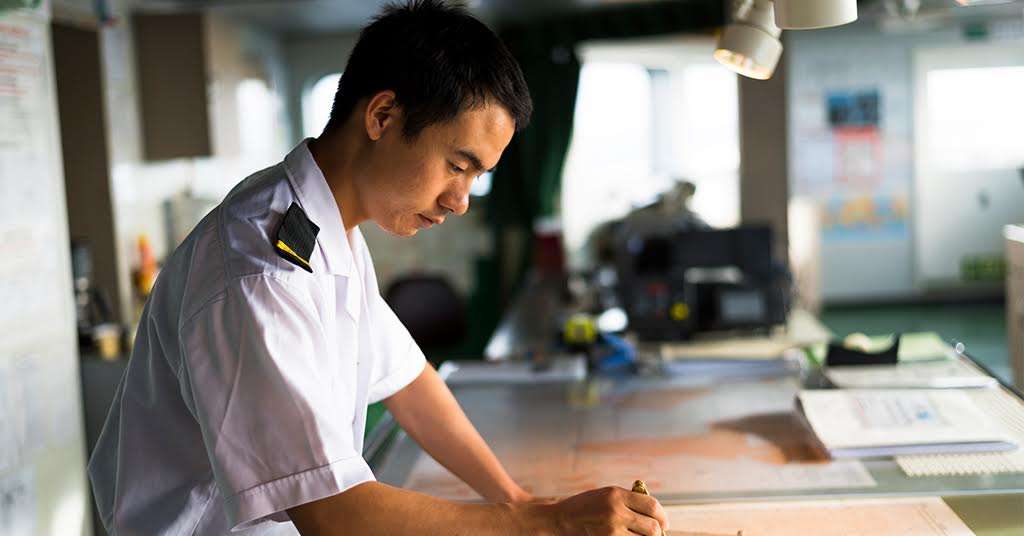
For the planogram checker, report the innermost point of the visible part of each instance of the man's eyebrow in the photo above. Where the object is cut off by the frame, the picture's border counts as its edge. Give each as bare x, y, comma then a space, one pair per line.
473, 159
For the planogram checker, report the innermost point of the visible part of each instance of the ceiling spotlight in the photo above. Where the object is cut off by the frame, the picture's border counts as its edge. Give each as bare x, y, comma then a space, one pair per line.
813, 14
750, 44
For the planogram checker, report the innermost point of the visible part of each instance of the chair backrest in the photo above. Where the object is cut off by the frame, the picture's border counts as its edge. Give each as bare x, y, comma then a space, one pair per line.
431, 310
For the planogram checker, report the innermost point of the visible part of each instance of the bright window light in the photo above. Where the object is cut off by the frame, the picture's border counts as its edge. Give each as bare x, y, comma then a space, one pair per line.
316, 104
481, 185
257, 117
608, 169
705, 123
670, 113
972, 124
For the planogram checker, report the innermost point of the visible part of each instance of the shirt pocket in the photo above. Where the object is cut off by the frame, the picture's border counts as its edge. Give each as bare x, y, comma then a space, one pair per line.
345, 337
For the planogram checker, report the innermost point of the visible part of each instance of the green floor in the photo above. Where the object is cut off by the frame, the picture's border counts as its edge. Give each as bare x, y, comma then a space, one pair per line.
981, 327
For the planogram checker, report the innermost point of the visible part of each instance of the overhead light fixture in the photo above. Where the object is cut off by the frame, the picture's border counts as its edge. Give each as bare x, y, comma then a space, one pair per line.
814, 14
750, 44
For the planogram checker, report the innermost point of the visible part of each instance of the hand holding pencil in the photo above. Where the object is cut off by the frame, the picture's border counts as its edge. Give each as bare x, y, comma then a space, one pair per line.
640, 487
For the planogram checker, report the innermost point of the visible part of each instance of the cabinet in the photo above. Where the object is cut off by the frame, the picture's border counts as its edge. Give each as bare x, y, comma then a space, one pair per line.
171, 68
1015, 300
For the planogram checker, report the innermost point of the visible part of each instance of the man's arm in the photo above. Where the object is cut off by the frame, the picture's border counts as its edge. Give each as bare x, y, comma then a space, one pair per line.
375, 508
429, 413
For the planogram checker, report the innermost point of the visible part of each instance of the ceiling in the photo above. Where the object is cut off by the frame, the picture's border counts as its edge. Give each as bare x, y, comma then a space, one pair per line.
339, 16
305, 17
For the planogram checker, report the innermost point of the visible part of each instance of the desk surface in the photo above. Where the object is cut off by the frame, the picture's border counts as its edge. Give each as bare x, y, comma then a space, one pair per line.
694, 440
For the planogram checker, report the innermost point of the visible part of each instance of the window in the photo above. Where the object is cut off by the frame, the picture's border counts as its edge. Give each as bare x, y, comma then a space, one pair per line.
258, 117
647, 115
316, 104
975, 118
609, 162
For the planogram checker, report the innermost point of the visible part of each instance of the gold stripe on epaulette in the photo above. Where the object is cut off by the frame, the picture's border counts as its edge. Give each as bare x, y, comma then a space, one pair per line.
284, 247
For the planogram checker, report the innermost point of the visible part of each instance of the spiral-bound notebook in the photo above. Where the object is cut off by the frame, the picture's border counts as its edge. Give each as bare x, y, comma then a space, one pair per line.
1002, 407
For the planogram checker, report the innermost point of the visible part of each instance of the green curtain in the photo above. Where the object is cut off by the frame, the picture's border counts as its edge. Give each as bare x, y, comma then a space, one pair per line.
528, 181
18, 4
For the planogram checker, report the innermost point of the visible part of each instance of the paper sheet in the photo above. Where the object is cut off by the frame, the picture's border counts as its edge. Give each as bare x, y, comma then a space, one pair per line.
923, 346
926, 516
930, 374
561, 369
1003, 407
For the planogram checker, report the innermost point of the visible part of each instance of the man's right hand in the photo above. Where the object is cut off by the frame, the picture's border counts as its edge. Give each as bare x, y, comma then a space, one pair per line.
608, 511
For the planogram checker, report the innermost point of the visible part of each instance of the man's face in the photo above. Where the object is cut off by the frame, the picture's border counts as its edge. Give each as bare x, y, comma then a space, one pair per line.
413, 185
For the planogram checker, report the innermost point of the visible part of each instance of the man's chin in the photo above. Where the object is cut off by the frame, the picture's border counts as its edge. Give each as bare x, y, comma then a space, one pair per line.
404, 232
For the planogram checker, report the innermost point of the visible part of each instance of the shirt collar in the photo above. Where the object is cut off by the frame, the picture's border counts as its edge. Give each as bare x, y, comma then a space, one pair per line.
317, 200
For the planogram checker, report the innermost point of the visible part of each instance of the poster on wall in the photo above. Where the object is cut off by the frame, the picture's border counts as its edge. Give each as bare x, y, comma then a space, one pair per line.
42, 449
865, 217
853, 109
17, 504
859, 204
856, 140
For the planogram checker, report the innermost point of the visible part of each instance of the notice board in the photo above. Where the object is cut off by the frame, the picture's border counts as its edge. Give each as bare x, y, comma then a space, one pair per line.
43, 485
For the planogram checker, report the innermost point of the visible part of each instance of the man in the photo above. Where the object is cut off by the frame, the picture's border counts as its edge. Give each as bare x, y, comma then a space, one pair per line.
265, 337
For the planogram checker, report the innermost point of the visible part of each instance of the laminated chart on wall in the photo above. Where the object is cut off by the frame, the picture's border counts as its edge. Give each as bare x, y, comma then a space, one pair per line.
43, 486
17, 498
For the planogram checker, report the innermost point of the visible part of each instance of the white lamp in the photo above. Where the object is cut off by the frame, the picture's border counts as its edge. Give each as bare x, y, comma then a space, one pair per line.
813, 14
750, 45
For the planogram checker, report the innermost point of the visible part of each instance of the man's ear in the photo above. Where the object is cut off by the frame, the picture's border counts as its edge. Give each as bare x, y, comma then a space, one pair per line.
382, 113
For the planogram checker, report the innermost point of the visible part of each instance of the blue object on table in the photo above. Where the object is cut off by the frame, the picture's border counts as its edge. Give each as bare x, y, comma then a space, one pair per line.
615, 355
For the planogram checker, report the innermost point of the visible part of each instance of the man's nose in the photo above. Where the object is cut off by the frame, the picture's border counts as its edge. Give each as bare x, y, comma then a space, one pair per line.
456, 200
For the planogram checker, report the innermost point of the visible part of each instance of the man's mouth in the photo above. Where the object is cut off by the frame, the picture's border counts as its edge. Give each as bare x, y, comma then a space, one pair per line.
429, 222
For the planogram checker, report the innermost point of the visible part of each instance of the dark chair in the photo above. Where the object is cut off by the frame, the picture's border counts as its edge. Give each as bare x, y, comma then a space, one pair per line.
431, 310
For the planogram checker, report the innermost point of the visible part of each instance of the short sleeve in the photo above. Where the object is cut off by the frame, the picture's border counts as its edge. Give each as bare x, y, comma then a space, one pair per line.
399, 359
277, 431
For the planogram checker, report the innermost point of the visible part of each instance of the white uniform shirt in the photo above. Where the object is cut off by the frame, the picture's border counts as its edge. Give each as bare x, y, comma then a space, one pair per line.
247, 388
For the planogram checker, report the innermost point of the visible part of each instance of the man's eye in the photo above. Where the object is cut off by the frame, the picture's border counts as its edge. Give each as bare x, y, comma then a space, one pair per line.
456, 169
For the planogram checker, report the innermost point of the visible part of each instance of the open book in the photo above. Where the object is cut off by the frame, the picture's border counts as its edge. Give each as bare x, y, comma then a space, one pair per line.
859, 423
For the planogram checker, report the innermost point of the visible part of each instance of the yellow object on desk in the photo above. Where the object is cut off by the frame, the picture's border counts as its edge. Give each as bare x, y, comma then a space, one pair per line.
107, 338
580, 330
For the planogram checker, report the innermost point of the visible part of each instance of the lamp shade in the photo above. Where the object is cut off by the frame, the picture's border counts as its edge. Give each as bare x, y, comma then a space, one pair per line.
811, 14
748, 51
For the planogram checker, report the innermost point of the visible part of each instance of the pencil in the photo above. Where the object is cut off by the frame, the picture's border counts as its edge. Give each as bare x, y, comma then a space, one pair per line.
640, 487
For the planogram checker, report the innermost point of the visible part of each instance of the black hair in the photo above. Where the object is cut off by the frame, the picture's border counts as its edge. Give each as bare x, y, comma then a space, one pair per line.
438, 59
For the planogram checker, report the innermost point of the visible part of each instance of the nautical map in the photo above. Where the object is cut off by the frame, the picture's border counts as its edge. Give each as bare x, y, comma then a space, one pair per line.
682, 440
925, 516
